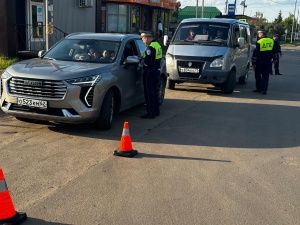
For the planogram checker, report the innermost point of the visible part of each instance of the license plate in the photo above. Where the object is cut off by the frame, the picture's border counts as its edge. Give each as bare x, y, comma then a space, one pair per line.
32, 103
189, 70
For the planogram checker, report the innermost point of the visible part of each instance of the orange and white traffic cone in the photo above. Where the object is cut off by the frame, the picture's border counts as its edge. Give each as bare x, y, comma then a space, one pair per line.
125, 148
8, 214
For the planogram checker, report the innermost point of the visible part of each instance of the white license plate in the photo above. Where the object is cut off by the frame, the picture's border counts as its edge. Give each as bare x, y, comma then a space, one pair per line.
189, 70
32, 102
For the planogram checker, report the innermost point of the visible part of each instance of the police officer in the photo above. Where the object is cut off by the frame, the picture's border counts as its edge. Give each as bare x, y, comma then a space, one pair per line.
262, 61
151, 66
278, 53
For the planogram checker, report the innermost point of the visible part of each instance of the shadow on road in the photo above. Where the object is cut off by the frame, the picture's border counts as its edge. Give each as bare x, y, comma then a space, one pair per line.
145, 155
34, 221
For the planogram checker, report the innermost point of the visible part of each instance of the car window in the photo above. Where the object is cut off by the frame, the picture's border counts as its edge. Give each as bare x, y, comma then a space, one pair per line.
141, 46
98, 51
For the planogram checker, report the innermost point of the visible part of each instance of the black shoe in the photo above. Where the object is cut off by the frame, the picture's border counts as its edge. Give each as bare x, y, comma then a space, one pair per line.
157, 114
257, 91
264, 92
147, 116
278, 74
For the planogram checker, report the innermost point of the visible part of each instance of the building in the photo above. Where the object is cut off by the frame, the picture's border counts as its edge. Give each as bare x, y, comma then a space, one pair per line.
190, 12
32, 25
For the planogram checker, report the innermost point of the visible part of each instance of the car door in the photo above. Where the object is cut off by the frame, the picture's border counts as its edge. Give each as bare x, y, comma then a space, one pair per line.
237, 51
130, 77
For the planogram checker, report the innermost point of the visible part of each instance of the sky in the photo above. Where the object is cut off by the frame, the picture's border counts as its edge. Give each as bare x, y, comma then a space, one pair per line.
269, 8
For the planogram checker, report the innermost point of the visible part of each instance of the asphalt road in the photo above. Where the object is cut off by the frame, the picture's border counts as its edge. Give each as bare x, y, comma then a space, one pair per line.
209, 158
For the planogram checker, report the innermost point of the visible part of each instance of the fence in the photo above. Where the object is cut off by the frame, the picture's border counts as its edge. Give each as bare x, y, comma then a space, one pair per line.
30, 39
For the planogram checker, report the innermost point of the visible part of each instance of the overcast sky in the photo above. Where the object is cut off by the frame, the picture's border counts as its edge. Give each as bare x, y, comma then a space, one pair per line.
270, 8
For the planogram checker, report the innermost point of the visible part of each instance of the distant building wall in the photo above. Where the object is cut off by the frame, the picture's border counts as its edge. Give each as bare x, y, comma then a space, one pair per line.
68, 17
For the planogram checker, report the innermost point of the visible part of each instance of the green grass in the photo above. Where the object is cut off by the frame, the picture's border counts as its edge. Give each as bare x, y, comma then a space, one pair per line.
6, 62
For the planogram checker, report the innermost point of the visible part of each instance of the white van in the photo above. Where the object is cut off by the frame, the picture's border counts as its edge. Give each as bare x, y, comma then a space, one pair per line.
212, 51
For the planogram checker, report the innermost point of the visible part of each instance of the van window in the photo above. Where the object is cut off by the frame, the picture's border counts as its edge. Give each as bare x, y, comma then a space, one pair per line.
203, 31
236, 35
244, 33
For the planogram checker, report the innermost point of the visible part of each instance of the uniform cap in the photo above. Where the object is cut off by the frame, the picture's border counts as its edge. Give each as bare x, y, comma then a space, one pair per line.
275, 35
146, 33
262, 31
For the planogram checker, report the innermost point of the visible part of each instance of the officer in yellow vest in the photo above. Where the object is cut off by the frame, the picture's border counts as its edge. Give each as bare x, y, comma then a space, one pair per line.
262, 58
151, 66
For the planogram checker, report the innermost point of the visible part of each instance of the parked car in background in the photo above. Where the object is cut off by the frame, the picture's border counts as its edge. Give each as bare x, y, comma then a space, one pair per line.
85, 77
212, 51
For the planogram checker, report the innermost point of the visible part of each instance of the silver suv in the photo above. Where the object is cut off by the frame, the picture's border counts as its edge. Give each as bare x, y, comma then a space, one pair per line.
85, 77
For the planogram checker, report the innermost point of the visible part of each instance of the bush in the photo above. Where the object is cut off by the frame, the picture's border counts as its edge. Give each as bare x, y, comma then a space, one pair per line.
6, 62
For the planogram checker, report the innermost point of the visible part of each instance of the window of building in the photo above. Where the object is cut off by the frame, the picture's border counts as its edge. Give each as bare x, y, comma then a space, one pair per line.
118, 17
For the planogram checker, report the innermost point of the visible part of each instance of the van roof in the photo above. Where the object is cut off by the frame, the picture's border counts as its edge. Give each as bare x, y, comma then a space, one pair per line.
217, 20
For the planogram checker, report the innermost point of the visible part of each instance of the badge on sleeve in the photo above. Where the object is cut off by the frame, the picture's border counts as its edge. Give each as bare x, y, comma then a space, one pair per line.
148, 52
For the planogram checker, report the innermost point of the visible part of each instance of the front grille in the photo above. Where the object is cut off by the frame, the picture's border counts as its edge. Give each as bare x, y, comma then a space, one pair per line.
195, 65
37, 88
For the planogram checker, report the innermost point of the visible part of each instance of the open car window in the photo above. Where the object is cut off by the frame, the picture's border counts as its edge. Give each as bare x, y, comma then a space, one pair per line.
97, 51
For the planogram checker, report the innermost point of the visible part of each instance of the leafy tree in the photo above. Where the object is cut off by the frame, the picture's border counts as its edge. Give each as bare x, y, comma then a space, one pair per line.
288, 22
279, 18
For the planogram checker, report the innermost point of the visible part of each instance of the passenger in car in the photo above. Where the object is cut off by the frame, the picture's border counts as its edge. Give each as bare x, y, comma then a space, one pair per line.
191, 35
94, 54
106, 56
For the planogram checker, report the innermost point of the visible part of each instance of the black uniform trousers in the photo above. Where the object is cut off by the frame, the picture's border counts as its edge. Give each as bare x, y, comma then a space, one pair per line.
262, 77
276, 65
150, 81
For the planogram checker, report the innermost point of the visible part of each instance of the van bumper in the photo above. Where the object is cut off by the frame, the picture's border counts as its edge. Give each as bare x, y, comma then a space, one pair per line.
206, 77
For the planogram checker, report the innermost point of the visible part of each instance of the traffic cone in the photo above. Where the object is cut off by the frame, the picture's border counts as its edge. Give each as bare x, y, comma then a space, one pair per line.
125, 148
8, 214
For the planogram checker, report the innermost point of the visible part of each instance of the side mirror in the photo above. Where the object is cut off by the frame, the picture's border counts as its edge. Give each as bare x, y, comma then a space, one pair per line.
131, 60
241, 42
166, 40
41, 53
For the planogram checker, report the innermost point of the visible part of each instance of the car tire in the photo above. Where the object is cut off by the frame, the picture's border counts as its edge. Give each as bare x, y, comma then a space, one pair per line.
244, 79
171, 84
104, 121
229, 84
161, 88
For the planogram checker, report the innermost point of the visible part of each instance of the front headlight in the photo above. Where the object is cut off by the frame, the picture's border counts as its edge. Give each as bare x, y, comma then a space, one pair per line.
169, 60
5, 75
219, 62
89, 81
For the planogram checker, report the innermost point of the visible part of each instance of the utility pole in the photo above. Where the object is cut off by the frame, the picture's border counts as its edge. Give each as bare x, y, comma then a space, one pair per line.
197, 9
202, 8
226, 4
296, 30
234, 7
293, 22
46, 21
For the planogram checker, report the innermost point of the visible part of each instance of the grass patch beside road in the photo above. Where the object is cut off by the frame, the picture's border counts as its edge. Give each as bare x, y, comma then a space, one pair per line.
6, 62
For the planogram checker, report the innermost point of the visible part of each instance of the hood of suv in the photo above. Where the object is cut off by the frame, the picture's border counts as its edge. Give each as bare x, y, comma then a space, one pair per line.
54, 69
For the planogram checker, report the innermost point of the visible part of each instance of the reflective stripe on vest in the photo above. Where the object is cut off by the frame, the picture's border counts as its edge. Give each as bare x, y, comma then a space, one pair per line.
3, 186
158, 49
266, 44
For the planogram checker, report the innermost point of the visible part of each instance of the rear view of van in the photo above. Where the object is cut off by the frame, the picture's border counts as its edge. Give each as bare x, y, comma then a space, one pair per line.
211, 51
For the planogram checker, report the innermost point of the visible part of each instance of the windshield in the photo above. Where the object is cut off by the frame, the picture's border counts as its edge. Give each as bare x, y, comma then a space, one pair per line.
202, 32
86, 50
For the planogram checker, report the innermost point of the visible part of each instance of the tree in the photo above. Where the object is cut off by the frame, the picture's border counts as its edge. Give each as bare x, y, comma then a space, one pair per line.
288, 23
261, 18
279, 18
